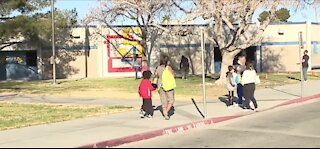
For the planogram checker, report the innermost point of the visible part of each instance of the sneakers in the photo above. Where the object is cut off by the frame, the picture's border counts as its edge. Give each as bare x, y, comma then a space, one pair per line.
247, 109
142, 113
149, 116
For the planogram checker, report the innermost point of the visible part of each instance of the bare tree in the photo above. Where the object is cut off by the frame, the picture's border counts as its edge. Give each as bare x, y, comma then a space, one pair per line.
144, 14
232, 37
232, 22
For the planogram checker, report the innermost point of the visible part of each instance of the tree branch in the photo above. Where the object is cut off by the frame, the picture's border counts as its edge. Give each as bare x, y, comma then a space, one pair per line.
7, 44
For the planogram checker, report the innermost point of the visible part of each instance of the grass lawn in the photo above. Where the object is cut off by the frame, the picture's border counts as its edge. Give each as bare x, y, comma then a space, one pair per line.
101, 87
126, 88
13, 115
275, 79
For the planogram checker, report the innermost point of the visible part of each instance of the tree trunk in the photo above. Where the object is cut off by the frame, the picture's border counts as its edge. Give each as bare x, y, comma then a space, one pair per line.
149, 59
145, 52
227, 59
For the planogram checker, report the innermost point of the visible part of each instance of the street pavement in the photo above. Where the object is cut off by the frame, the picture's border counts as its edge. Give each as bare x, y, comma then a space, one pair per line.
293, 127
81, 132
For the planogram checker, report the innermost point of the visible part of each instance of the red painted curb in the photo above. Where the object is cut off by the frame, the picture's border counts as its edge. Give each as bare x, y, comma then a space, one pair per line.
160, 132
299, 100
184, 127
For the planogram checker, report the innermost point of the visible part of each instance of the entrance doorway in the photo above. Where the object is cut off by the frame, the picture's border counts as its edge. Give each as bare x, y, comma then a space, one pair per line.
250, 54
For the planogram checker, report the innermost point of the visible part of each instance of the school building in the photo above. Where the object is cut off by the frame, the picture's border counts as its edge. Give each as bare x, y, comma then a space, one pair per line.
91, 55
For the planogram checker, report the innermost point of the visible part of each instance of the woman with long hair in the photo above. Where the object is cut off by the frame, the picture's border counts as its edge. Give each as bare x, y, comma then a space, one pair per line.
166, 96
248, 81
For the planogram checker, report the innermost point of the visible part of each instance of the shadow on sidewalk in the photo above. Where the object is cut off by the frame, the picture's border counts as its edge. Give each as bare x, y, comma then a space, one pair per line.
285, 92
225, 99
170, 113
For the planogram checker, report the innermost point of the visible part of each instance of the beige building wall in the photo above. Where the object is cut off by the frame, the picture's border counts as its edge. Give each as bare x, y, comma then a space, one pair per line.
281, 52
280, 59
79, 59
290, 33
278, 53
315, 34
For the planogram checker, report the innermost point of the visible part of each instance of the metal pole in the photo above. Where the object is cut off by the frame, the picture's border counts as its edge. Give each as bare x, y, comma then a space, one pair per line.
53, 60
316, 9
300, 57
203, 74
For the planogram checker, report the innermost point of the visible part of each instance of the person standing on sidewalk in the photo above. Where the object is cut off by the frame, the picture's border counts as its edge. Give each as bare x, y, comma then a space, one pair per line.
305, 65
248, 81
145, 91
231, 84
166, 96
136, 65
240, 68
184, 67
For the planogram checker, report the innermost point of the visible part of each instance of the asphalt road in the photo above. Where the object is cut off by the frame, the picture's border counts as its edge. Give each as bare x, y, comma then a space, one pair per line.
293, 126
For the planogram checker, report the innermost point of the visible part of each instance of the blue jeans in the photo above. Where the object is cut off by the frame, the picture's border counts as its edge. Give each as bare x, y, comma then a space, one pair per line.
240, 93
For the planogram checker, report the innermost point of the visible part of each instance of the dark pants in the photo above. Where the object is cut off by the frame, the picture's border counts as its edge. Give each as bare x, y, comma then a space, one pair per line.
240, 93
185, 72
231, 96
305, 73
147, 106
136, 70
248, 92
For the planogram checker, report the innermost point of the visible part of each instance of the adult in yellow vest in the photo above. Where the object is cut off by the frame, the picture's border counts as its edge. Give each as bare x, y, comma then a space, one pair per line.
165, 84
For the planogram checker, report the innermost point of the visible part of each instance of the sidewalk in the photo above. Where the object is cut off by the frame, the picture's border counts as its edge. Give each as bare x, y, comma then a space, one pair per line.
87, 131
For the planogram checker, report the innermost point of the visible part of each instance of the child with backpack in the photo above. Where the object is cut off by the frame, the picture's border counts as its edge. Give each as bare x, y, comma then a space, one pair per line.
145, 91
231, 84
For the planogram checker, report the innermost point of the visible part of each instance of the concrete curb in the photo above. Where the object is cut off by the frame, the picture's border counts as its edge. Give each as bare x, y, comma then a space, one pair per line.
184, 127
160, 132
298, 100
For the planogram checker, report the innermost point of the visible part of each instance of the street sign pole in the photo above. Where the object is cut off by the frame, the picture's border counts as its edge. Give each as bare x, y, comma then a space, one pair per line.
53, 58
203, 74
300, 59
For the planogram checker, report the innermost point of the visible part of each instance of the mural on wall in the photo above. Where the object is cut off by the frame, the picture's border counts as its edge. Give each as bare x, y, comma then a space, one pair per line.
122, 51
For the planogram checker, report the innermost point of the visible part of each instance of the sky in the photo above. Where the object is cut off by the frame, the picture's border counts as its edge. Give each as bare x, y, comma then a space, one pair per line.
84, 6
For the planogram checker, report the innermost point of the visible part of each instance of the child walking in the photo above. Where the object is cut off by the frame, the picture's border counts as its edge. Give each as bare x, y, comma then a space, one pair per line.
145, 91
231, 84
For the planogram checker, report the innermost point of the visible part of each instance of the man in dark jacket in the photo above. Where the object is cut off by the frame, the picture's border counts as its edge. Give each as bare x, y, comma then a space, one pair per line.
305, 65
184, 67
